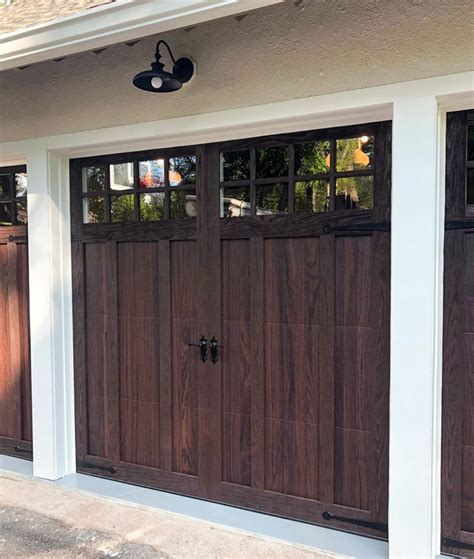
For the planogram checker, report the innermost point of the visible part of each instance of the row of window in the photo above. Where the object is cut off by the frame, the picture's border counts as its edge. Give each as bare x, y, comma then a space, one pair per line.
319, 176
310, 177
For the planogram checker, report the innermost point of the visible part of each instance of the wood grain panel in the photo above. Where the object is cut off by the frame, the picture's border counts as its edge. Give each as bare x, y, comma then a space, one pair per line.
140, 432
355, 374
291, 281
352, 485
15, 382
291, 372
354, 262
237, 448
292, 457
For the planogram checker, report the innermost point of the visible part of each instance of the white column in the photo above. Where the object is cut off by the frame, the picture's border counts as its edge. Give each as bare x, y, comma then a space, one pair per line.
50, 314
416, 332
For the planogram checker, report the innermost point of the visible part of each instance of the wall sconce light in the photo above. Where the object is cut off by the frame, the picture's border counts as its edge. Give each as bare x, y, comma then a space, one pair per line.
158, 80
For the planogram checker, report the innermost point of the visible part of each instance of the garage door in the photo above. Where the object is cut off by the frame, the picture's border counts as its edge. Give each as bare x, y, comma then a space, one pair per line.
458, 361
15, 384
232, 322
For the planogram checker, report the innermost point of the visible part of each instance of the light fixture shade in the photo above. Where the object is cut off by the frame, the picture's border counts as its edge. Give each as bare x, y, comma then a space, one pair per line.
158, 80
146, 80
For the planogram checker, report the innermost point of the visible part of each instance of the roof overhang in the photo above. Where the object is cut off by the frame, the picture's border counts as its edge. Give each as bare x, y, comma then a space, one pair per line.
124, 20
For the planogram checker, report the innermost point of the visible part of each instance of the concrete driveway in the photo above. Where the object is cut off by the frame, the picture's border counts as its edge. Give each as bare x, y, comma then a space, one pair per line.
41, 519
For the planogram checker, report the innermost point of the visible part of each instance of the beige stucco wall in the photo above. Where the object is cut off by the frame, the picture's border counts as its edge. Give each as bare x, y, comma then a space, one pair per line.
296, 49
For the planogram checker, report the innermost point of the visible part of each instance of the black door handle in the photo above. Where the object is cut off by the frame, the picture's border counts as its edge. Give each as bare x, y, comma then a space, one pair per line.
214, 349
202, 345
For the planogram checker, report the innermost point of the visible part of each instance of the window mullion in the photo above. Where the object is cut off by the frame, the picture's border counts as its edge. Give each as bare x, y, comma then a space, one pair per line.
332, 176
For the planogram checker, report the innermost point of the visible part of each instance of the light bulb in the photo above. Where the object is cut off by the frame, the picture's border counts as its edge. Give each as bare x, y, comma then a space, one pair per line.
364, 139
156, 83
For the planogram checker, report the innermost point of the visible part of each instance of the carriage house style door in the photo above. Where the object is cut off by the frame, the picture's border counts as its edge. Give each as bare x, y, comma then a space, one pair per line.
232, 322
457, 497
15, 380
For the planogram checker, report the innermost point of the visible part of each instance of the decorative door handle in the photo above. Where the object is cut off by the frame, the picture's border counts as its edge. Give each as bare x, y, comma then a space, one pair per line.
214, 349
202, 345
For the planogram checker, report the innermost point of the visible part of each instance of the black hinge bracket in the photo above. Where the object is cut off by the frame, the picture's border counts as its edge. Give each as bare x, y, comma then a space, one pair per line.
450, 542
453, 224
17, 238
89, 465
357, 227
357, 522
22, 450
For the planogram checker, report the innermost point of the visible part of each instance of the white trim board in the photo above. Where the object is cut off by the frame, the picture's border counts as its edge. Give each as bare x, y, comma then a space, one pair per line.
112, 23
281, 529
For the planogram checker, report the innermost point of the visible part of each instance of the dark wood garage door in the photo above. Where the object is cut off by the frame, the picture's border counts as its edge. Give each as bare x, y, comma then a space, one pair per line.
458, 361
232, 322
15, 383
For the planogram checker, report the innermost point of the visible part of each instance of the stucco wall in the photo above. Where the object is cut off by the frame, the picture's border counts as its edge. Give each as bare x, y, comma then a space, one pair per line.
296, 49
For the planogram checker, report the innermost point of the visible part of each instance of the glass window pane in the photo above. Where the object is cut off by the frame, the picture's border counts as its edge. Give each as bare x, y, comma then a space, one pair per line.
312, 196
312, 158
235, 165
5, 186
152, 206
21, 212
470, 143
121, 176
272, 199
152, 173
272, 162
6, 213
354, 153
235, 202
122, 208
20, 184
470, 187
182, 204
93, 210
355, 193
93, 179
182, 170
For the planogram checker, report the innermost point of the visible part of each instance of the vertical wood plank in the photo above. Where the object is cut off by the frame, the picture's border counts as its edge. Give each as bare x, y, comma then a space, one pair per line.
79, 338
326, 370
111, 370
453, 366
164, 301
16, 373
380, 382
257, 348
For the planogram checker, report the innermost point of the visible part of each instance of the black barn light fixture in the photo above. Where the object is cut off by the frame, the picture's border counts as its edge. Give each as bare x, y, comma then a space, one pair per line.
158, 80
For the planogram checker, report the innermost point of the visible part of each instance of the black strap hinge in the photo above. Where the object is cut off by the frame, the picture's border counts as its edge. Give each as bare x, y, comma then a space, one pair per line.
89, 465
22, 450
453, 224
357, 227
450, 542
17, 238
357, 522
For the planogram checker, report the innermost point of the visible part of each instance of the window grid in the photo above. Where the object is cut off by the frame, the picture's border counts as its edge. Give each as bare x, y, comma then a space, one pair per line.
110, 195
292, 178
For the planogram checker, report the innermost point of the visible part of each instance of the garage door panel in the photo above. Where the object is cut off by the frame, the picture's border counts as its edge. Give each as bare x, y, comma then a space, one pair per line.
291, 372
352, 456
237, 446
139, 445
354, 258
139, 347
355, 375
292, 458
